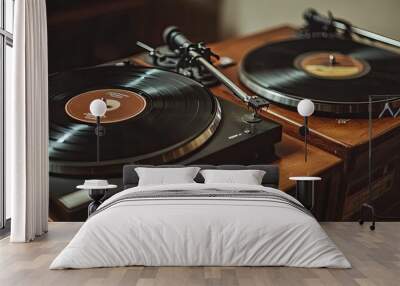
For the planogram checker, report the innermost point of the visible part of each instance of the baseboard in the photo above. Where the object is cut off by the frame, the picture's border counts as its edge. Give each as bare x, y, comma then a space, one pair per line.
5, 231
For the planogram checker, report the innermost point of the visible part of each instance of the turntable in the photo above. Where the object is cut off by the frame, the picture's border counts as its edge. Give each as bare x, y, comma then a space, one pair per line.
337, 74
153, 117
330, 62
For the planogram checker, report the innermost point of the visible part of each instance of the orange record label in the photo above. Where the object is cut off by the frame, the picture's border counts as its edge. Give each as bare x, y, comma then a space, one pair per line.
331, 65
121, 105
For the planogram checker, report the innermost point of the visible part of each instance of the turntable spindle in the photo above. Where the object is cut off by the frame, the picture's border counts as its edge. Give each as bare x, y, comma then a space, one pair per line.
332, 60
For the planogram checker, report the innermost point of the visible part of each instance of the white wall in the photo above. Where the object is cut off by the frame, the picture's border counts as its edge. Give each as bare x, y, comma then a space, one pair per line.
247, 16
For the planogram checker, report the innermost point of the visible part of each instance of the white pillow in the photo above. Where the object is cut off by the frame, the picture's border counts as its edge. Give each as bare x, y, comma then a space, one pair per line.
165, 176
248, 177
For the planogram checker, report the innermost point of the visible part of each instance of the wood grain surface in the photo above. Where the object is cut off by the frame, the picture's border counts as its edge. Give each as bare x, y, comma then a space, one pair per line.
374, 256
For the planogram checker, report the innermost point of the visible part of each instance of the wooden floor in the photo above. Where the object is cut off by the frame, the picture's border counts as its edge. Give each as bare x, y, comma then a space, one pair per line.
375, 257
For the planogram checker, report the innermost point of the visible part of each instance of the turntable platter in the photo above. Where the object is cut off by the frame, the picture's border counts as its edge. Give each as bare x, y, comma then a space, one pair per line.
153, 116
337, 74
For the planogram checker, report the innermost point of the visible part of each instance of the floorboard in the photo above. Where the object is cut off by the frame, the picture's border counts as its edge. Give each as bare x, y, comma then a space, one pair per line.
375, 257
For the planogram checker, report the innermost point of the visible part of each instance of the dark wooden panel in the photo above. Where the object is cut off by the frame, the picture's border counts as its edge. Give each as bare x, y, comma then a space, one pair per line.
86, 33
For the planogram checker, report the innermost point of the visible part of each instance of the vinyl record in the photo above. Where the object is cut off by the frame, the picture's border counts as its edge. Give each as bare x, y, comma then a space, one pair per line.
337, 74
153, 116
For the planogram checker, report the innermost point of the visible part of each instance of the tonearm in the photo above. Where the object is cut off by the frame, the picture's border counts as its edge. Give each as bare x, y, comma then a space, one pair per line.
198, 54
320, 23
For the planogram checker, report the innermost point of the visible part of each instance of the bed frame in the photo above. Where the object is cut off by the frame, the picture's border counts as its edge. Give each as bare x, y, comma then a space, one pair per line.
271, 177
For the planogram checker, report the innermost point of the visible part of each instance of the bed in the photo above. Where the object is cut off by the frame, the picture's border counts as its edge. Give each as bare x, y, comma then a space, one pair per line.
201, 224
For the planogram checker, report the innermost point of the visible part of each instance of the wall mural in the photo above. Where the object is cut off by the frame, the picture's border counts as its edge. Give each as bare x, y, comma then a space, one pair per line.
167, 105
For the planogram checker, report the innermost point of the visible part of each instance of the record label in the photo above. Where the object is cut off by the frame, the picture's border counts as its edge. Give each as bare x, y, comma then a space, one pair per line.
331, 65
121, 105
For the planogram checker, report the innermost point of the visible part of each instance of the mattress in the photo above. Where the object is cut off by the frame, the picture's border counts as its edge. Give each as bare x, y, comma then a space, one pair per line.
201, 225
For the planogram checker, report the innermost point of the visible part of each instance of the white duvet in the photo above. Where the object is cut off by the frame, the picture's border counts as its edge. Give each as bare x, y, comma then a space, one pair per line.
200, 231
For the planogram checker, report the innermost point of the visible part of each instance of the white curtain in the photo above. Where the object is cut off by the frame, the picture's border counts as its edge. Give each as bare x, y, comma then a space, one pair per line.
27, 124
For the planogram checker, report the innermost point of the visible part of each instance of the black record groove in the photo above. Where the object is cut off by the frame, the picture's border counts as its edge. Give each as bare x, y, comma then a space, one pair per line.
179, 115
272, 71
